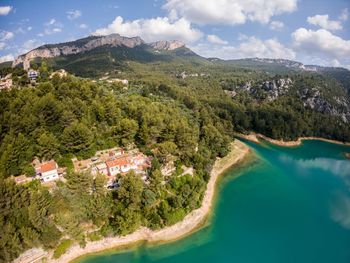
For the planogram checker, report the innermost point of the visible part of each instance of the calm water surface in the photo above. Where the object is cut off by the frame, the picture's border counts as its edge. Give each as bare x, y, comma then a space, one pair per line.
291, 205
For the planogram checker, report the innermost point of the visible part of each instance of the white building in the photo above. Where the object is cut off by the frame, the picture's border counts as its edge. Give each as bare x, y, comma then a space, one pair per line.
119, 165
47, 171
33, 75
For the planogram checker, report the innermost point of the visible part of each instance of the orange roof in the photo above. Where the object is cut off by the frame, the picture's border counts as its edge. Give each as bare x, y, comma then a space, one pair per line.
117, 162
49, 166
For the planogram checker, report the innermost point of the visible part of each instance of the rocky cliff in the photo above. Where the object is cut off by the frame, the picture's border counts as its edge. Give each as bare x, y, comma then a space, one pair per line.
268, 90
89, 43
312, 97
167, 45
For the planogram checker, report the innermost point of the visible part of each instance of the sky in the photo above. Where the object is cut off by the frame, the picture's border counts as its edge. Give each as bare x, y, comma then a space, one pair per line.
309, 31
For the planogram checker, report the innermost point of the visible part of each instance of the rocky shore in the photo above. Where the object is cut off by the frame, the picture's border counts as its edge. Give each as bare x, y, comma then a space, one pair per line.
254, 137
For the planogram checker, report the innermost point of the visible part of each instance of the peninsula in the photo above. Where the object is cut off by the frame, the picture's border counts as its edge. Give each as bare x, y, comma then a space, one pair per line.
194, 220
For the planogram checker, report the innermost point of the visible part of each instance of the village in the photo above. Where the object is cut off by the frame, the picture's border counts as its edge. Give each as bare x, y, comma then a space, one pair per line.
113, 162
7, 82
110, 163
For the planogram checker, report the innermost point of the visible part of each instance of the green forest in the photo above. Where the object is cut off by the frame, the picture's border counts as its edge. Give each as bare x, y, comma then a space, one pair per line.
192, 121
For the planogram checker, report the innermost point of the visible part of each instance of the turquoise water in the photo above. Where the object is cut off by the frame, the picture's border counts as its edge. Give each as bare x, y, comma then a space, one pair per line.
291, 205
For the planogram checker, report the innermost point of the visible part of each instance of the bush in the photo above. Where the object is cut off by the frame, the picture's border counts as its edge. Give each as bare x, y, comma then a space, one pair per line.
175, 216
94, 236
62, 248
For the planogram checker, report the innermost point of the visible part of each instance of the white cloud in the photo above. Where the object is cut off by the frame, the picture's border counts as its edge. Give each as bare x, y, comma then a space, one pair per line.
340, 210
19, 30
29, 28
6, 35
324, 22
51, 27
276, 25
160, 28
2, 45
248, 47
8, 57
229, 12
73, 14
344, 15
321, 42
5, 10
335, 63
83, 26
30, 45
323, 61
216, 40
51, 22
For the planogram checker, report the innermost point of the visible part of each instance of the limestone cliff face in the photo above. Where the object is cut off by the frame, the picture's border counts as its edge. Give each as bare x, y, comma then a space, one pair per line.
89, 43
79, 46
167, 45
311, 97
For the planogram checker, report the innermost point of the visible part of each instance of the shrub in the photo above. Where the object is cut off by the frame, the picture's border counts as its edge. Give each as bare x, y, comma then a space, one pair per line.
62, 248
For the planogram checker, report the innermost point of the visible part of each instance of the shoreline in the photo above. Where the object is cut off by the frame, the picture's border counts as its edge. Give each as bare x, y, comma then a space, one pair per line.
192, 221
254, 137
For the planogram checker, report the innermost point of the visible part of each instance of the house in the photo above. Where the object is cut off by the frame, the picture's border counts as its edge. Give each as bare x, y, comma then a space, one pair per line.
100, 168
125, 82
116, 152
47, 171
33, 75
61, 73
118, 165
114, 161
6, 82
140, 163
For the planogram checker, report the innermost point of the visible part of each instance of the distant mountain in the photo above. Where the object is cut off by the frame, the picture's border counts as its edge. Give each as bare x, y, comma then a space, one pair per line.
96, 55
285, 66
5, 64
275, 64
113, 47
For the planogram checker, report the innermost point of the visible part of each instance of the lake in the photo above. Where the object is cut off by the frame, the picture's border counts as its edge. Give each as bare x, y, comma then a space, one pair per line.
288, 205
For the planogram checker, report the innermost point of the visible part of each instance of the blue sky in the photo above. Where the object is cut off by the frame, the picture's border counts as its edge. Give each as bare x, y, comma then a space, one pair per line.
310, 31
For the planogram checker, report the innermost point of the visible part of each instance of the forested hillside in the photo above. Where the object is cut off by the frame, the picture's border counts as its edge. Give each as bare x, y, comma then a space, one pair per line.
67, 116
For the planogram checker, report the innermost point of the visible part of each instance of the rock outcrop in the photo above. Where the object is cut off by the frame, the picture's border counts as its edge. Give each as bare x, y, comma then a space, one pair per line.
312, 98
167, 45
269, 89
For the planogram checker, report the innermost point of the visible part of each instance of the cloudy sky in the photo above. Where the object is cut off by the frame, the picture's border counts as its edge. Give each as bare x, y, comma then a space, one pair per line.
310, 31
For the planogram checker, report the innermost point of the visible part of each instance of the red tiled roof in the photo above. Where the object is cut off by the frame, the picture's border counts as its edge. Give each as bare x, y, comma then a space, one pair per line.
117, 162
49, 166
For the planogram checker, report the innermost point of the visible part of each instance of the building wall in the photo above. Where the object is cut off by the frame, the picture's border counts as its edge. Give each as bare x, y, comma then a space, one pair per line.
113, 170
50, 176
103, 171
125, 168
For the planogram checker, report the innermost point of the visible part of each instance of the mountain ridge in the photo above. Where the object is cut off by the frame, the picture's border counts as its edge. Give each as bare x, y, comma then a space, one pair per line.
89, 43
114, 40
